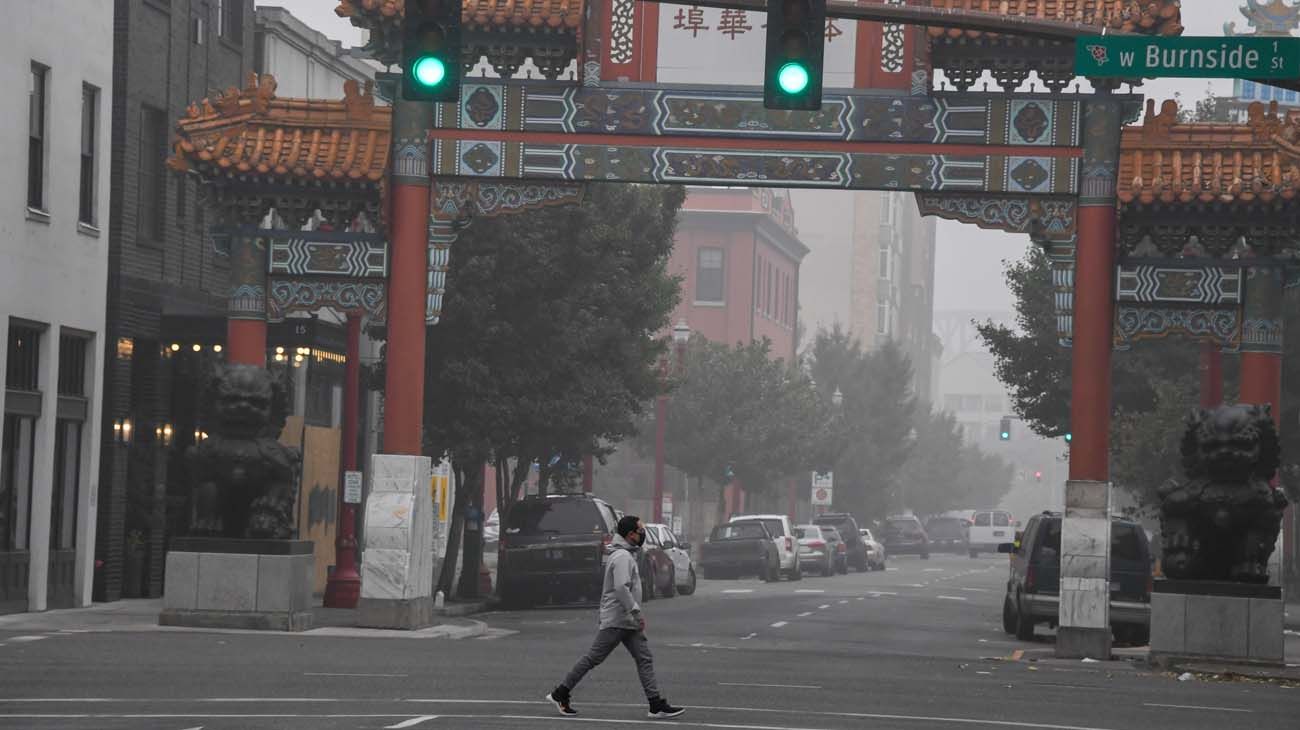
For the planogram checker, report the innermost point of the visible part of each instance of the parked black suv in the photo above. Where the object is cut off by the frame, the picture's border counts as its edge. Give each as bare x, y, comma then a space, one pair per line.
554, 548
1033, 589
905, 536
854, 545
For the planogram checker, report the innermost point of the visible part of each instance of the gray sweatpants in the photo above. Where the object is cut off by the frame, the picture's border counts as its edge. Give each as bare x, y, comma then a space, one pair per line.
606, 640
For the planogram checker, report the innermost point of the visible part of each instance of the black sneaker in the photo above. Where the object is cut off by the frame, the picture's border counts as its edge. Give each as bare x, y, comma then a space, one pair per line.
660, 710
560, 698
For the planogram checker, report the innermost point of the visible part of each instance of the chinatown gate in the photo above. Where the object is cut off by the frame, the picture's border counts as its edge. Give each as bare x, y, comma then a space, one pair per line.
1046, 164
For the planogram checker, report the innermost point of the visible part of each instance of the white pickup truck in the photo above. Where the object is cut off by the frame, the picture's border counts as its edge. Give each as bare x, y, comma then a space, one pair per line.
787, 546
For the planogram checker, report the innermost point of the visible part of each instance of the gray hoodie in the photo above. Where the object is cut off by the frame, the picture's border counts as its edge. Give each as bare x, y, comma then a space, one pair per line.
620, 598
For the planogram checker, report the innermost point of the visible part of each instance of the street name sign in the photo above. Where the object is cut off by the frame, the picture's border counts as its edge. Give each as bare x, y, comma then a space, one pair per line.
1187, 57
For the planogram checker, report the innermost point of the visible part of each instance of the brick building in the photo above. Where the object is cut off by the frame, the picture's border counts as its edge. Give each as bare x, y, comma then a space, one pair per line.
165, 273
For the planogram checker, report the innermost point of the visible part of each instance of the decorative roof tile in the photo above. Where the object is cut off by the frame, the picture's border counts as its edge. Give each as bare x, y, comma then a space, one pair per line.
250, 130
1149, 17
1171, 161
383, 18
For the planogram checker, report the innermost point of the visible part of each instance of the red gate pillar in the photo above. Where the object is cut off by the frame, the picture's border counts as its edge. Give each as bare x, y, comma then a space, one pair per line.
408, 278
661, 427
246, 305
1261, 359
1084, 615
344, 586
1211, 368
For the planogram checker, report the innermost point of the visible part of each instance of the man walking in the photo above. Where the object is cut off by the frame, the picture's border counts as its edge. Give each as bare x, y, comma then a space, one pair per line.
620, 623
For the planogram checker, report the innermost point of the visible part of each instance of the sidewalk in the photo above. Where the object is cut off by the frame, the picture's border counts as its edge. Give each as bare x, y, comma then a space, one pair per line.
141, 615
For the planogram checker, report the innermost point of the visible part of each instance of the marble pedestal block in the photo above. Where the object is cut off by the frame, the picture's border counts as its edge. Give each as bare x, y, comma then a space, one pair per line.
227, 583
397, 559
1200, 620
1084, 614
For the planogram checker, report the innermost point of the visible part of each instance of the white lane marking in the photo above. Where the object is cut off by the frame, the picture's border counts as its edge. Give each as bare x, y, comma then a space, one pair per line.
196, 727
347, 674
844, 601
952, 598
1195, 707
975, 590
810, 590
933, 570
823, 607
779, 624
747, 638
27, 638
915, 585
411, 722
782, 686
739, 590
756, 710
862, 598
805, 614
878, 594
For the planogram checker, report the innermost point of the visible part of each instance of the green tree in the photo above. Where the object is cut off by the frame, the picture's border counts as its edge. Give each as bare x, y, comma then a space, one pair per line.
547, 343
873, 439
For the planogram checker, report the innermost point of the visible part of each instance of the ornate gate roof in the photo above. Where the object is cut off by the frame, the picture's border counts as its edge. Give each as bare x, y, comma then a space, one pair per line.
1151, 17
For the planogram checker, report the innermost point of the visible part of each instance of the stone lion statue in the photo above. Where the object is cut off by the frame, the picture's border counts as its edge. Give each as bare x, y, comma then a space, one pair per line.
245, 480
1222, 522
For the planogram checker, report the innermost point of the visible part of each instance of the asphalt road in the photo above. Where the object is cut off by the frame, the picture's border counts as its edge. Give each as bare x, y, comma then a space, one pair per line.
918, 647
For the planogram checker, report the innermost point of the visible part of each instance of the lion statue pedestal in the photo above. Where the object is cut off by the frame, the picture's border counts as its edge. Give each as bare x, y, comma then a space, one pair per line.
240, 567
1220, 526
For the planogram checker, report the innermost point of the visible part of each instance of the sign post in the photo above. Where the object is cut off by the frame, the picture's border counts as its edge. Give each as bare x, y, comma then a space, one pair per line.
823, 489
1187, 57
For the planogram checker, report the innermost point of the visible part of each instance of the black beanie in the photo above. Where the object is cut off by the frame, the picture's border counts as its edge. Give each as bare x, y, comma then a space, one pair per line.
627, 524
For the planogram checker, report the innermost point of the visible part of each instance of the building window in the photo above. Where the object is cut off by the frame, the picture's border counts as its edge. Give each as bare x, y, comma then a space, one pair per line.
67, 480
885, 260
36, 133
882, 317
153, 153
709, 276
89, 118
230, 20
72, 365
16, 455
199, 30
971, 403
993, 404
24, 359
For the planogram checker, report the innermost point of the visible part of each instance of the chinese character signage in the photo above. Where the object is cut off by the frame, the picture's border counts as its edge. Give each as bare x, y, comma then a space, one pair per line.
726, 46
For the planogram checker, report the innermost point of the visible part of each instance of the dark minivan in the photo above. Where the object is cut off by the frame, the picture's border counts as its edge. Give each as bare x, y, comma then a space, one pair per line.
848, 528
948, 535
554, 548
1033, 589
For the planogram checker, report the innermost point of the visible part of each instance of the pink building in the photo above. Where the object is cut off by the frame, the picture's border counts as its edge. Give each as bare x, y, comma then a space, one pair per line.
738, 254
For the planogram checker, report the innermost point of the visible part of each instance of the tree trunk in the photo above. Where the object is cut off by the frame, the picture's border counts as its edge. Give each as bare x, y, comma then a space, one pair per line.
448, 574
721, 516
473, 536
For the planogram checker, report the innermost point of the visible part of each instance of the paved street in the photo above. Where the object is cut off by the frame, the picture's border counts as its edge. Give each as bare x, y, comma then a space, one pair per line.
916, 647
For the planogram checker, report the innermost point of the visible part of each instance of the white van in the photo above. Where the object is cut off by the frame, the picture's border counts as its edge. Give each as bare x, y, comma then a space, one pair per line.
990, 528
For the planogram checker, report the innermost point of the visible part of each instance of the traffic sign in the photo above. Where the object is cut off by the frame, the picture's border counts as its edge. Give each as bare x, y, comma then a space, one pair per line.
1187, 57
821, 496
352, 487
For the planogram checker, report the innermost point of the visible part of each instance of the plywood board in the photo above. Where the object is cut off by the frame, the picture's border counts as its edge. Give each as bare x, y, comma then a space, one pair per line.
318, 497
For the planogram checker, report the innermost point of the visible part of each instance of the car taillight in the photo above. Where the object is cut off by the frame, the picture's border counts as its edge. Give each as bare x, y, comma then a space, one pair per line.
789, 544
1029, 579
840, 548
816, 544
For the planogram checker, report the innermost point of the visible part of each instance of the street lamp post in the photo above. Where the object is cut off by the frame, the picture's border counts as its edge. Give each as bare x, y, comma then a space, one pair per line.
681, 335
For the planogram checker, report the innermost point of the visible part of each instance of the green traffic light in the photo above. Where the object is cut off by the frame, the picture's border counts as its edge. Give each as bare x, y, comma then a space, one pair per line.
793, 78
429, 71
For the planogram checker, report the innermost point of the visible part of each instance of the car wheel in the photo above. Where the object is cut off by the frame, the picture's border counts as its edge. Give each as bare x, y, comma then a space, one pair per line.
648, 587
797, 574
1024, 627
974, 553
771, 573
1008, 616
689, 588
671, 590
828, 569
844, 569
925, 556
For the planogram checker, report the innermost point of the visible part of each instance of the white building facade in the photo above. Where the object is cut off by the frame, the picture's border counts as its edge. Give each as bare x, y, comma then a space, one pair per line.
306, 63
56, 58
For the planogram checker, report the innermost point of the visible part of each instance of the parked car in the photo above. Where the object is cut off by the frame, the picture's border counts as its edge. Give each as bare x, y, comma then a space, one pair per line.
658, 572
905, 536
740, 548
990, 528
875, 551
787, 546
554, 548
856, 549
817, 549
1033, 587
680, 553
948, 535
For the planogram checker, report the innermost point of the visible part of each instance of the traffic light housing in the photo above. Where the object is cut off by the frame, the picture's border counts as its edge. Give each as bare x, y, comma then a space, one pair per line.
792, 71
1069, 437
1004, 430
431, 61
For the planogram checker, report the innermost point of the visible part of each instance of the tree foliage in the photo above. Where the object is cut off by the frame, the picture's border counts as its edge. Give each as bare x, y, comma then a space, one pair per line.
547, 342
737, 413
872, 439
